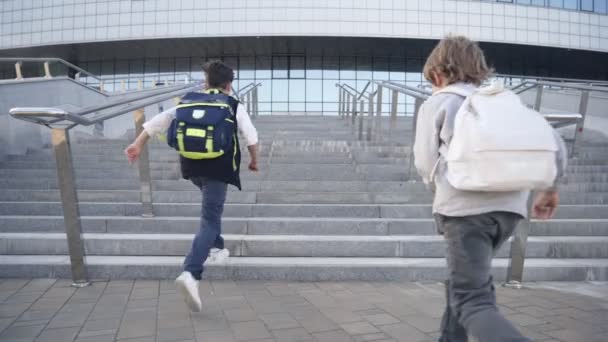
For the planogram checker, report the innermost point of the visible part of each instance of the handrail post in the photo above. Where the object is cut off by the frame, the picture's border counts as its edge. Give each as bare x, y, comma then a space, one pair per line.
340, 95
347, 104
255, 101
354, 108
362, 110
18, 73
143, 164
394, 108
66, 181
539, 97
417, 105
47, 70
370, 117
580, 125
517, 254
379, 113
248, 102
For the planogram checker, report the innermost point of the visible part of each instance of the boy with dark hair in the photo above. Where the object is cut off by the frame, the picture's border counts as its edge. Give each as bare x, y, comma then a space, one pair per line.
211, 173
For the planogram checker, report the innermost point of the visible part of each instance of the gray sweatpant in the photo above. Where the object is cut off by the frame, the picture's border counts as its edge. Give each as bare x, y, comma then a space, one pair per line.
471, 308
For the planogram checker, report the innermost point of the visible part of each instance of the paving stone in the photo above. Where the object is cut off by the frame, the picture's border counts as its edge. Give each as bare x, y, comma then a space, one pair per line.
333, 336
371, 337
341, 316
58, 335
279, 321
83, 334
403, 333
6, 322
316, 323
423, 323
240, 315
359, 328
244, 331
12, 310
202, 322
101, 338
16, 333
102, 324
576, 335
215, 335
380, 319
174, 334
292, 335
29, 323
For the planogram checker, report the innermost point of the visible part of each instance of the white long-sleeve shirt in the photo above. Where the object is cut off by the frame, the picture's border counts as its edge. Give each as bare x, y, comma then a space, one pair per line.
160, 123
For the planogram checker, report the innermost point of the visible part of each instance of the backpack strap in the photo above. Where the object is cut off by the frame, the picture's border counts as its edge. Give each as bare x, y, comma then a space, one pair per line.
453, 89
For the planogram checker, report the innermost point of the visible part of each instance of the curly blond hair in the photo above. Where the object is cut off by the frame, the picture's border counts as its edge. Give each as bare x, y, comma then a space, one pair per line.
457, 59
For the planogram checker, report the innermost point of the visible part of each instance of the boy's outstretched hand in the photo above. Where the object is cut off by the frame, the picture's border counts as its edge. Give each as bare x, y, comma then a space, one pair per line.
253, 166
132, 152
545, 204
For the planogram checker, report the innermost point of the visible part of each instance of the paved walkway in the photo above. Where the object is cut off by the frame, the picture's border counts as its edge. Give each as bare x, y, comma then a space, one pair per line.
50, 310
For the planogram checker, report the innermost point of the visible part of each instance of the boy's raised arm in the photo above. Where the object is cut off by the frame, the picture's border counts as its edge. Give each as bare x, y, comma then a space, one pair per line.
157, 125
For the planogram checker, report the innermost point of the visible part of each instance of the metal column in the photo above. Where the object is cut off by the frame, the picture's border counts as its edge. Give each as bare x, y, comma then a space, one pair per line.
394, 107
60, 140
354, 108
580, 125
379, 112
254, 104
361, 119
143, 164
370, 118
340, 103
417, 104
539, 97
517, 254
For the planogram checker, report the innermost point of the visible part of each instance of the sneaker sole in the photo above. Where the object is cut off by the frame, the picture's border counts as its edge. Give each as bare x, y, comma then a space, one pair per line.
192, 305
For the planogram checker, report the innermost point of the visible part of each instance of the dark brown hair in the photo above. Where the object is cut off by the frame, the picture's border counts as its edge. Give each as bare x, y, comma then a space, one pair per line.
218, 74
457, 59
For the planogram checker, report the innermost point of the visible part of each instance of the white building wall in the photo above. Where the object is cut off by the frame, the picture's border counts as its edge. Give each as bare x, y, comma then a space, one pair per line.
25, 23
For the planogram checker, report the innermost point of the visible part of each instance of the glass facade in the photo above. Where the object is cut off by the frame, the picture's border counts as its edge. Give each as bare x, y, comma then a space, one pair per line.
293, 84
595, 6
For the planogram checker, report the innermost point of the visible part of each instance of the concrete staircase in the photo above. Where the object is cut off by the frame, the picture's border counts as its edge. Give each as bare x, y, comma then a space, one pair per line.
323, 207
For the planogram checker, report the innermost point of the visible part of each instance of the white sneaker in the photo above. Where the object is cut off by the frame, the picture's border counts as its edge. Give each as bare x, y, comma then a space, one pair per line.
217, 255
188, 286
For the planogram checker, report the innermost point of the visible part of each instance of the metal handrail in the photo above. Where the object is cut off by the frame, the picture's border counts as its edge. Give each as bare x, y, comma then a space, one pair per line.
48, 60
554, 79
39, 115
249, 94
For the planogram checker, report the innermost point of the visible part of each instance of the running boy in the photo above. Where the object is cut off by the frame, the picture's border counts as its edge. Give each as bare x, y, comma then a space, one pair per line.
474, 224
211, 176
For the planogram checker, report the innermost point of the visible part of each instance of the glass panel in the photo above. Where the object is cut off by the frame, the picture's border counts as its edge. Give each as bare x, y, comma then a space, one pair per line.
247, 68
297, 90
571, 4
601, 6
296, 67
279, 67
331, 67
279, 90
314, 90
314, 68
539, 2
263, 68
348, 67
330, 93
380, 68
525, 2
556, 3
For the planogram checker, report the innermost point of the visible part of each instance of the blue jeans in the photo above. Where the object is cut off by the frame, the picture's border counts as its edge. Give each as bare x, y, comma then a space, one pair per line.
471, 308
209, 234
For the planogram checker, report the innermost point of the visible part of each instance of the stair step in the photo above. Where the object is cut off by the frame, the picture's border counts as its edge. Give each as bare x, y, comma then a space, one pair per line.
588, 211
413, 246
293, 269
281, 225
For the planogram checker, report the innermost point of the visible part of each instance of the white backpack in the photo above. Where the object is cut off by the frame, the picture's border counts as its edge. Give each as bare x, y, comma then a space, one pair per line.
499, 144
